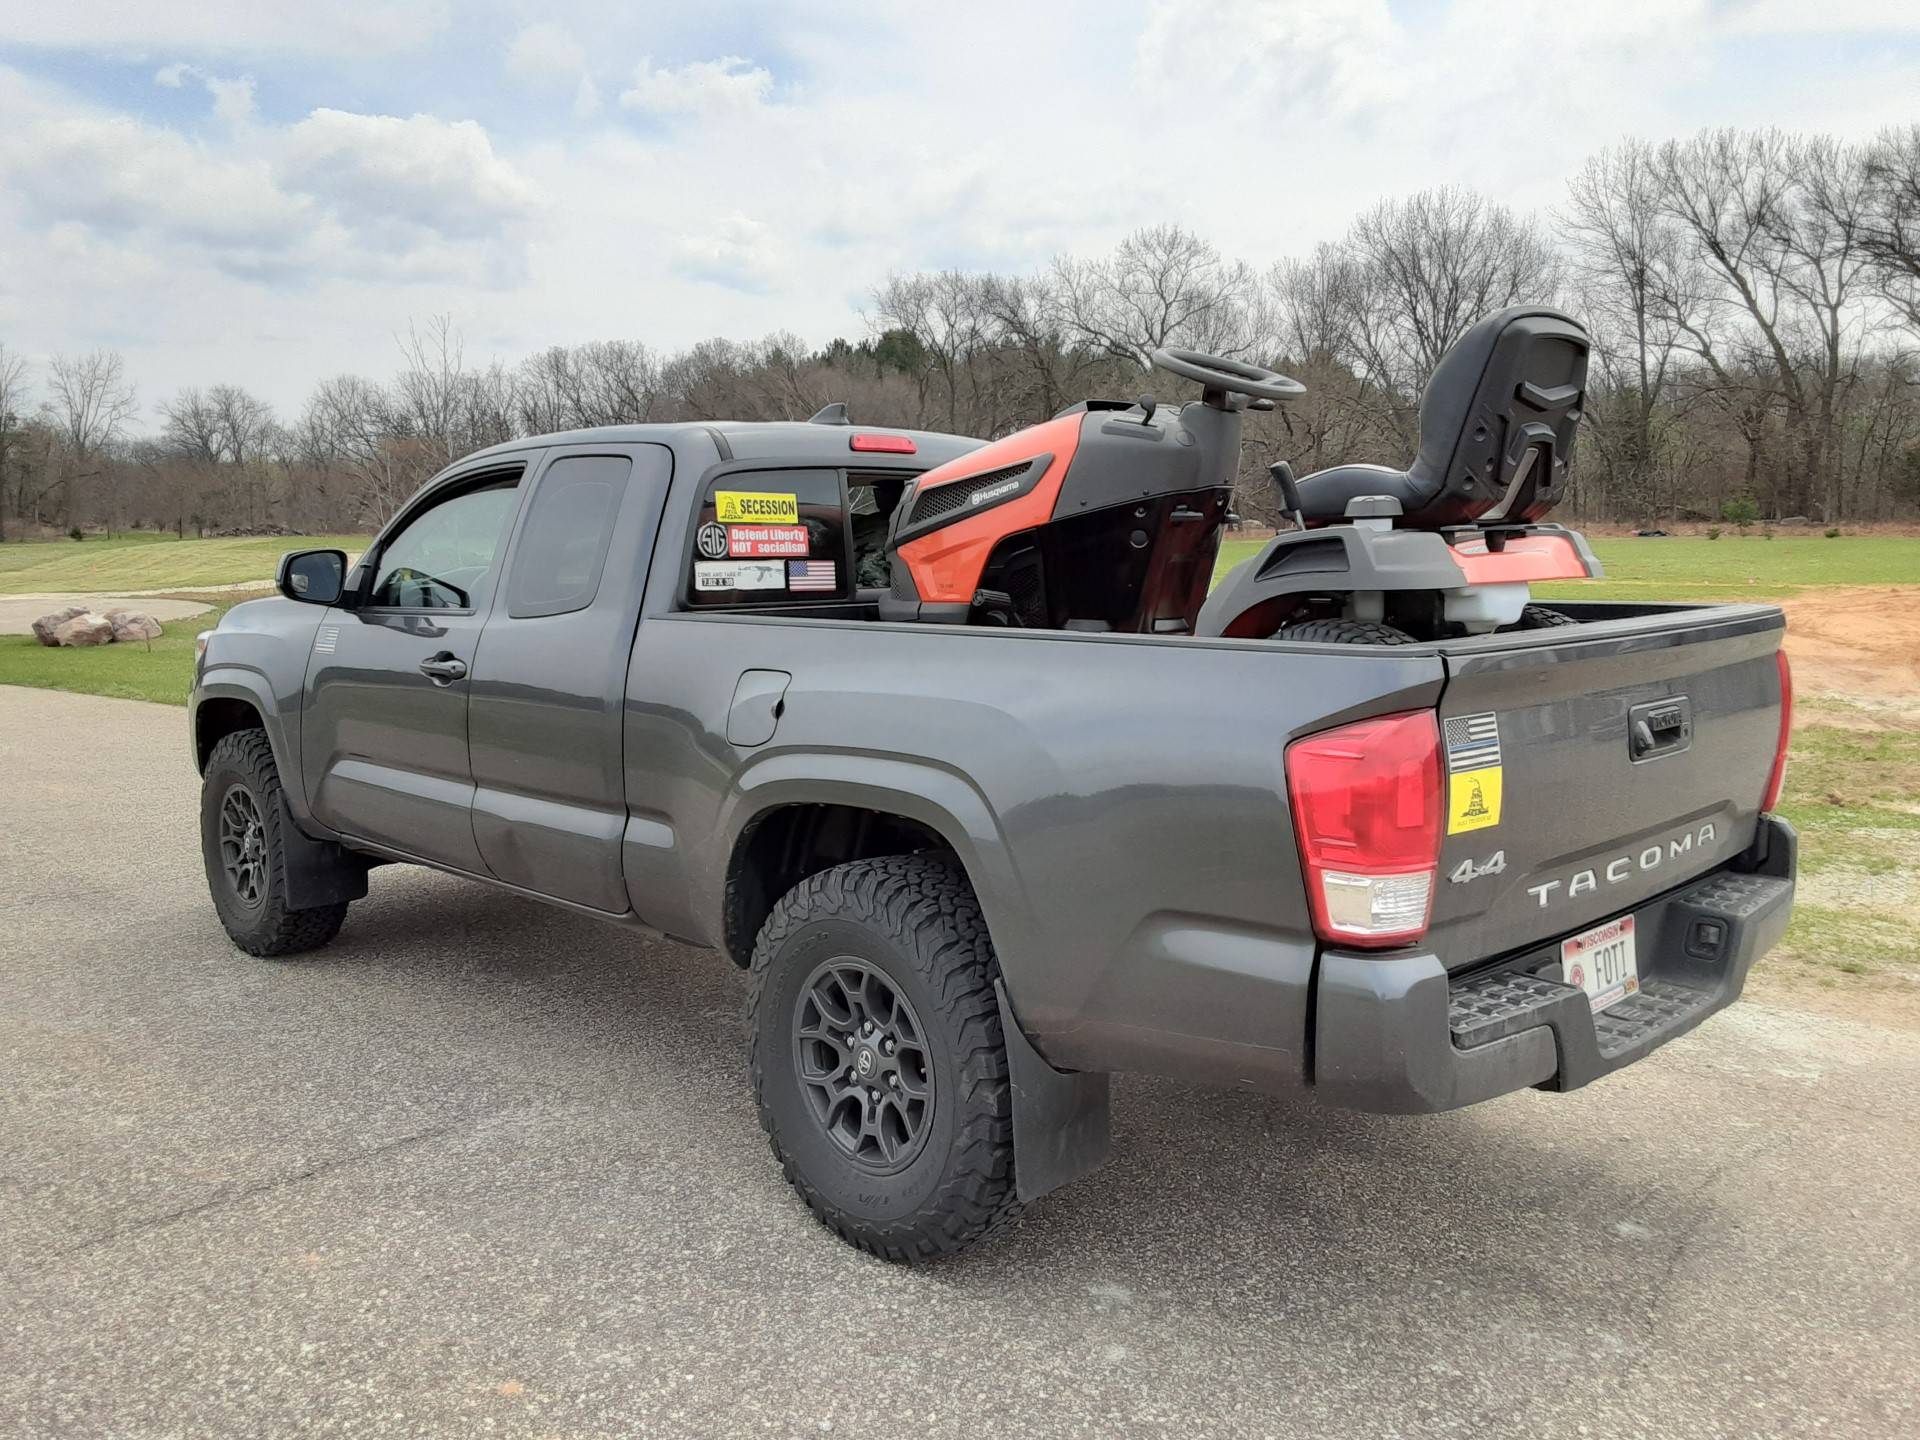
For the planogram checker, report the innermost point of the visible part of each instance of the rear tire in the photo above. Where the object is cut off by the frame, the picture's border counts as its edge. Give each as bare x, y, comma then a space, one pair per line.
1538, 617
878, 1061
1347, 632
243, 844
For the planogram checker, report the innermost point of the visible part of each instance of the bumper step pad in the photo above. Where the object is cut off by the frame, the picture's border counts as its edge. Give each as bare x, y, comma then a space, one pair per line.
1657, 1006
1492, 1007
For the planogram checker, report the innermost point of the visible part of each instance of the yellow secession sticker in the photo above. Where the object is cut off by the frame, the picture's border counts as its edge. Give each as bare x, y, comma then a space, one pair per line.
746, 507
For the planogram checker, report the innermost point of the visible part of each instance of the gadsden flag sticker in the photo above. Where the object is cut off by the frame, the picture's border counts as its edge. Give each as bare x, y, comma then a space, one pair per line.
1473, 771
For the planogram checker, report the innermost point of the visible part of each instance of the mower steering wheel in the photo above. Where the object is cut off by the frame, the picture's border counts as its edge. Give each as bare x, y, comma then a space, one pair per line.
1217, 372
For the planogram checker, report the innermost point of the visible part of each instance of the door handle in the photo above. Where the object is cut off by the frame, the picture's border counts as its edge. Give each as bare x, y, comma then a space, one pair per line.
444, 669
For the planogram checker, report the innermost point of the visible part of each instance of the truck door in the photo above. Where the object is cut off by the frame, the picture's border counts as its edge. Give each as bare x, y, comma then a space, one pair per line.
384, 733
549, 687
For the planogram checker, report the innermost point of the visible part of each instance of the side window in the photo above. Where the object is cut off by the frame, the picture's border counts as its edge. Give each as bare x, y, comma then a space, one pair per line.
771, 537
442, 559
563, 545
870, 504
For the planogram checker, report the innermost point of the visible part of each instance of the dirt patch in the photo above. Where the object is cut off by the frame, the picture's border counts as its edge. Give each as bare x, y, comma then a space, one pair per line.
1859, 641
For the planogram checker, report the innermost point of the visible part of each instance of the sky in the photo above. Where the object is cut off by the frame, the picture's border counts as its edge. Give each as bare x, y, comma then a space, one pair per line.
264, 192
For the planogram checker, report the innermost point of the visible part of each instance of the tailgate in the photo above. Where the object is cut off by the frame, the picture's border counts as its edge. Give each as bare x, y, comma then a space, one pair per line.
1592, 768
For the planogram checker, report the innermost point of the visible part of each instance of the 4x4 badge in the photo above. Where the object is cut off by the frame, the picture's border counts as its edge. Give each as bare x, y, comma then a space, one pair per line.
1466, 870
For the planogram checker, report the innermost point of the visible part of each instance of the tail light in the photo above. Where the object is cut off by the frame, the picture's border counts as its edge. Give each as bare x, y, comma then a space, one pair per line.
1367, 809
1778, 779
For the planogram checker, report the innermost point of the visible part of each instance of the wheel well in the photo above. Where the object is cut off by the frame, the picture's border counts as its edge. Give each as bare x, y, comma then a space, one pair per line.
218, 718
781, 848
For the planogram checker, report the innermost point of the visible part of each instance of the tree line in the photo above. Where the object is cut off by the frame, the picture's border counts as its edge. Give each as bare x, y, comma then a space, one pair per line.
1754, 298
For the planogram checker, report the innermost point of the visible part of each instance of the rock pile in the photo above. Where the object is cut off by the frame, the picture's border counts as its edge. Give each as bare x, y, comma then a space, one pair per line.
78, 626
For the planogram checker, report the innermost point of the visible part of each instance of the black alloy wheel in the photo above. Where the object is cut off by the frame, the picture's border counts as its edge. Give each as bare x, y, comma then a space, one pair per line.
861, 1058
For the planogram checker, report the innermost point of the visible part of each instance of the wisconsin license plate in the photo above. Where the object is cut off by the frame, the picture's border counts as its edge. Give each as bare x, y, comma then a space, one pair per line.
1602, 963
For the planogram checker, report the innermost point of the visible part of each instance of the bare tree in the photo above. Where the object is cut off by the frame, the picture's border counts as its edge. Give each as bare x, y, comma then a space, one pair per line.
1423, 270
1779, 223
89, 400
1892, 234
1163, 286
13, 400
1639, 285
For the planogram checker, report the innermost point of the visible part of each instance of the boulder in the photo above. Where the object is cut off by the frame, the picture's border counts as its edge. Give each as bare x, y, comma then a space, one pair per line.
133, 625
85, 628
43, 628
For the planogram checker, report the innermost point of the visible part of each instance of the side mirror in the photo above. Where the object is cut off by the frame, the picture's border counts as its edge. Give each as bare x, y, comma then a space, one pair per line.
313, 577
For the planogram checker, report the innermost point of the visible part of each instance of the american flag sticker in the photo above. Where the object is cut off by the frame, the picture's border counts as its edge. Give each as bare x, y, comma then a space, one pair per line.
329, 636
1473, 742
812, 575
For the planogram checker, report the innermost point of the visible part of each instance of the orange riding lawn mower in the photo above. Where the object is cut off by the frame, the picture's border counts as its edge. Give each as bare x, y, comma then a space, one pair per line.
1109, 516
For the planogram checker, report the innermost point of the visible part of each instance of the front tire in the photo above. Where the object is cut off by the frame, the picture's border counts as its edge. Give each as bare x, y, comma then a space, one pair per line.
878, 1060
243, 844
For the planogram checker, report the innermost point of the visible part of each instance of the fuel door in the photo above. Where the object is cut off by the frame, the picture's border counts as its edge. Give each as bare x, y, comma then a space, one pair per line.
758, 702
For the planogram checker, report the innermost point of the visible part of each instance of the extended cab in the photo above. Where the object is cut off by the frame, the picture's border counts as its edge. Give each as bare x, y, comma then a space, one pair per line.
641, 673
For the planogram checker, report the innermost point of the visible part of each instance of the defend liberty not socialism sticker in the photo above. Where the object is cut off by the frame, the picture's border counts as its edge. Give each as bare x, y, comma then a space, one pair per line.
1473, 771
756, 541
752, 507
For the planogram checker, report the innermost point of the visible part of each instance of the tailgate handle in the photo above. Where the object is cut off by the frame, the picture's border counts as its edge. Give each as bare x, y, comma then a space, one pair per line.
1660, 727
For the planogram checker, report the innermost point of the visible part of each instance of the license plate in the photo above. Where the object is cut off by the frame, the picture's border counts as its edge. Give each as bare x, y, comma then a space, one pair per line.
1602, 963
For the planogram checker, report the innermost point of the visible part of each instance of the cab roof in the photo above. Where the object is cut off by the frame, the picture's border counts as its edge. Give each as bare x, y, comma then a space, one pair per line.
782, 440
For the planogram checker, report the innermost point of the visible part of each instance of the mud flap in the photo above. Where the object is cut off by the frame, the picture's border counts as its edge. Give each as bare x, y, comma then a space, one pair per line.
1062, 1122
318, 872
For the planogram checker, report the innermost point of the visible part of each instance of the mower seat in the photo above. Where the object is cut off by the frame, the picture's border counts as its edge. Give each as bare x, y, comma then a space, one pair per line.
1497, 422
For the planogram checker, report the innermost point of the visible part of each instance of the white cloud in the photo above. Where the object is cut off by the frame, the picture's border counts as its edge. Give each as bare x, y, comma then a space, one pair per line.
763, 171
704, 89
442, 176
1323, 59
335, 194
546, 56
119, 176
232, 98
737, 252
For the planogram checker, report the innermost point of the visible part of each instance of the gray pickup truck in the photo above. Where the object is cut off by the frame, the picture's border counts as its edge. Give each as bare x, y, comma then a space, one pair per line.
975, 869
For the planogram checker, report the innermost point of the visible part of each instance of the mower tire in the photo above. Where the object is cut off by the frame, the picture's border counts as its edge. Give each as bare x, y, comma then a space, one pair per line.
1347, 632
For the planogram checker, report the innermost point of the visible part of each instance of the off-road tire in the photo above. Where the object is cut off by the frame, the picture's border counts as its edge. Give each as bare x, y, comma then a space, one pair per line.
1539, 617
266, 928
1347, 632
913, 918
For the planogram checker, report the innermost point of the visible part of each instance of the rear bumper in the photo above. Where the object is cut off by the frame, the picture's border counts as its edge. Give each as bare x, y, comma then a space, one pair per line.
1400, 1035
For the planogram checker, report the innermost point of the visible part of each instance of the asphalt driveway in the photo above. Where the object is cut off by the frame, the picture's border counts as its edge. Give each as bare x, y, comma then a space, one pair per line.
483, 1167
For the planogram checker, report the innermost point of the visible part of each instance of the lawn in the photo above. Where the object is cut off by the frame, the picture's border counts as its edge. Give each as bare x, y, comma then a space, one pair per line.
162, 671
1734, 567
144, 561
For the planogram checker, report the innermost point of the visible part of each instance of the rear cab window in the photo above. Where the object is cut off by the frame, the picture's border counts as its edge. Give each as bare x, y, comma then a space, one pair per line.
767, 537
813, 536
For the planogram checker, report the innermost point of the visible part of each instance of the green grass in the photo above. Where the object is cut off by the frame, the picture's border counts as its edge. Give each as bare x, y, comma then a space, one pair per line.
162, 672
144, 561
1731, 568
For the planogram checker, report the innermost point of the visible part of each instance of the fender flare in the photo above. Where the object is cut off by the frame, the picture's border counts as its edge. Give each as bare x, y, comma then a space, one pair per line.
319, 871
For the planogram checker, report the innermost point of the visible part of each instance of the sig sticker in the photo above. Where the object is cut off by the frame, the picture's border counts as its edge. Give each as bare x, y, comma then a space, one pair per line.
749, 507
712, 541
1474, 771
739, 575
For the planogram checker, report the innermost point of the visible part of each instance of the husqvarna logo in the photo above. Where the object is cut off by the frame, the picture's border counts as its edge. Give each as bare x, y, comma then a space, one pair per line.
993, 492
1622, 868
